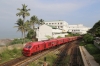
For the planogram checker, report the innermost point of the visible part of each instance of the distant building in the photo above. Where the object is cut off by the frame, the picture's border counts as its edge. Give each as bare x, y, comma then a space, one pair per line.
68, 28
78, 29
58, 28
58, 24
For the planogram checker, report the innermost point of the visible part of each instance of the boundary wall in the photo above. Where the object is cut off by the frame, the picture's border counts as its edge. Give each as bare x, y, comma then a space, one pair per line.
88, 59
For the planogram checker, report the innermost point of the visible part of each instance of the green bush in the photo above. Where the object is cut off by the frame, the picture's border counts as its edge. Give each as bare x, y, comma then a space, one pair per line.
59, 37
82, 43
20, 41
88, 38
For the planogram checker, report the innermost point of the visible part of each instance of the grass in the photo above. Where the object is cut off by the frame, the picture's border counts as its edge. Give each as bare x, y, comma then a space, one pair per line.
50, 58
92, 49
66, 60
82, 43
10, 54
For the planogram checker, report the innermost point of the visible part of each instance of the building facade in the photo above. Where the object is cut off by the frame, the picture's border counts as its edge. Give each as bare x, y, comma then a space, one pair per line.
59, 25
58, 28
45, 31
78, 29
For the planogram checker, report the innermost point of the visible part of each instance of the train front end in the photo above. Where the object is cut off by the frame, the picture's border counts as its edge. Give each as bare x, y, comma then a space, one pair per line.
27, 50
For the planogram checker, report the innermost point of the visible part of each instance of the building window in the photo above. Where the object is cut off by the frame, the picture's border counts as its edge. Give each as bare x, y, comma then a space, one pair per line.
49, 23
60, 23
46, 23
52, 23
58, 26
55, 23
61, 26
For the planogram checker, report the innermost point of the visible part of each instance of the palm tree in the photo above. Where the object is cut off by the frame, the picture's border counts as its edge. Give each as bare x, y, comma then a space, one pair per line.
20, 26
23, 12
41, 22
27, 27
33, 21
23, 27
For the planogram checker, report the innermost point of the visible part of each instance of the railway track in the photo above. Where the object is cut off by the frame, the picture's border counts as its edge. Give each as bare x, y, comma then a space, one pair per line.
61, 58
75, 59
24, 61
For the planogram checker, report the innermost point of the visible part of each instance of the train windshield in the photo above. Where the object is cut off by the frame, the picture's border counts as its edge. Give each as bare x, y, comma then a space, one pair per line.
28, 46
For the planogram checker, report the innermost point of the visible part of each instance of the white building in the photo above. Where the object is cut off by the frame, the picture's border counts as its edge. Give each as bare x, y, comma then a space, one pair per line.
58, 28
59, 24
69, 28
45, 30
78, 29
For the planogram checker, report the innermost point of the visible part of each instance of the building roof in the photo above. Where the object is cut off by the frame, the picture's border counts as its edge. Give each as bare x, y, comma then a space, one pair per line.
54, 21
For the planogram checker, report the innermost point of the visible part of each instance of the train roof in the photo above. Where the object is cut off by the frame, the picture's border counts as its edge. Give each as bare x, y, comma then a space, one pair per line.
35, 43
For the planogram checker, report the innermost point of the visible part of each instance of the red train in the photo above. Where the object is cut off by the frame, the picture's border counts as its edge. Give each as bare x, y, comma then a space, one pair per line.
34, 47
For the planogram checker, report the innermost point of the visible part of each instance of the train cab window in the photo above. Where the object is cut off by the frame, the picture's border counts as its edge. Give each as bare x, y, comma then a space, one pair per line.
28, 47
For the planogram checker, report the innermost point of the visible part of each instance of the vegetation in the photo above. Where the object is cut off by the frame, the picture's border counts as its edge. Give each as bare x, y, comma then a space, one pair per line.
50, 58
29, 25
22, 26
10, 54
82, 43
95, 30
88, 38
73, 34
49, 37
19, 41
59, 37
93, 50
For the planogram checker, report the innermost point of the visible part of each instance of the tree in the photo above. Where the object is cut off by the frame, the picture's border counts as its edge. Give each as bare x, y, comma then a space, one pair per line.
95, 30
27, 27
41, 22
20, 26
88, 38
33, 21
23, 12
31, 34
21, 23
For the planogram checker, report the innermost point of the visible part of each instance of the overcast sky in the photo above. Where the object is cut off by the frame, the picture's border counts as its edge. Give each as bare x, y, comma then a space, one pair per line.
86, 12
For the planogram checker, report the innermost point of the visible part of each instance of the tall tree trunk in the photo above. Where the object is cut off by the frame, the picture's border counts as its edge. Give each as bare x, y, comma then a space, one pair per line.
22, 37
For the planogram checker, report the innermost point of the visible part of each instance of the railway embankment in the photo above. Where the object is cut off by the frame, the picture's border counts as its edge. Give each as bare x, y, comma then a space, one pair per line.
87, 58
10, 47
